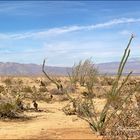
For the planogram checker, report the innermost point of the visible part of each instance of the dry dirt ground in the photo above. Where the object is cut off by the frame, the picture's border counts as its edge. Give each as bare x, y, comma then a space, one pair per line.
51, 123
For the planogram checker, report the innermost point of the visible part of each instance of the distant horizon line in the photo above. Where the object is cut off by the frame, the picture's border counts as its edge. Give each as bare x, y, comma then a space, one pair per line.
24, 63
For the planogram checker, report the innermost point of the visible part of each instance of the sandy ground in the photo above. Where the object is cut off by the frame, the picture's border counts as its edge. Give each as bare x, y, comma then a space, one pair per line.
51, 123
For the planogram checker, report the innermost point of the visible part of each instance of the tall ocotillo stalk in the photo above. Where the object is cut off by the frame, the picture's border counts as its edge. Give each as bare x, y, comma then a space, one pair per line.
99, 124
58, 84
115, 90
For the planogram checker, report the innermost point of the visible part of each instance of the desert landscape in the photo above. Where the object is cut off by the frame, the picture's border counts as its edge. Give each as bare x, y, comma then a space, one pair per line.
70, 70
82, 105
50, 121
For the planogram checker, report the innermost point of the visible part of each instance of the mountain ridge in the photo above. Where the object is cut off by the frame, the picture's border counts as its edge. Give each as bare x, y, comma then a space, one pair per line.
14, 68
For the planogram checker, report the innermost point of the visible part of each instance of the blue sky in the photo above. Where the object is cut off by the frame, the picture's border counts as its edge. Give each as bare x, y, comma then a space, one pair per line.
65, 32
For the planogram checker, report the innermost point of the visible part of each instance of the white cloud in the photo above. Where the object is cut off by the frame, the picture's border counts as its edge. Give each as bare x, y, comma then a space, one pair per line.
125, 32
62, 30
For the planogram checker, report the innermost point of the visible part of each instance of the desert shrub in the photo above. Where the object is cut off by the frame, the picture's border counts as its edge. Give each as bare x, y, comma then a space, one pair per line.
7, 110
106, 80
138, 101
125, 124
116, 103
62, 98
100, 91
71, 88
19, 82
56, 92
43, 89
74, 74
84, 72
27, 89
132, 82
69, 109
8, 81
76, 107
2, 88
113, 98
39, 95
138, 87
84, 105
10, 107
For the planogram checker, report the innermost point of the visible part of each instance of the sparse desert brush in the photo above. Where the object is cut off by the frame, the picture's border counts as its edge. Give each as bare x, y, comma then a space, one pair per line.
61, 98
138, 87
106, 80
56, 92
116, 102
114, 98
138, 101
43, 89
80, 106
10, 107
125, 124
8, 81
2, 88
84, 72
70, 108
27, 89
19, 82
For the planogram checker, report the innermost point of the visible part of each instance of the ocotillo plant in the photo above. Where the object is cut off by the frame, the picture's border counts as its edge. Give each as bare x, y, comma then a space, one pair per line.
58, 84
113, 95
99, 123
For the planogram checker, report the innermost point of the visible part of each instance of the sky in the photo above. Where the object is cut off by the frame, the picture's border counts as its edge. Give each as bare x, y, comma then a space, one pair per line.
65, 32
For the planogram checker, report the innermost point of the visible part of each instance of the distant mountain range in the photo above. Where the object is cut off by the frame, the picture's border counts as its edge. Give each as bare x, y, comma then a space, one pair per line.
11, 68
112, 67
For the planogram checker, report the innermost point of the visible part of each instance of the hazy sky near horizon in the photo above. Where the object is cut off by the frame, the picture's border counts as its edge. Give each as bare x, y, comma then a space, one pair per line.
65, 32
